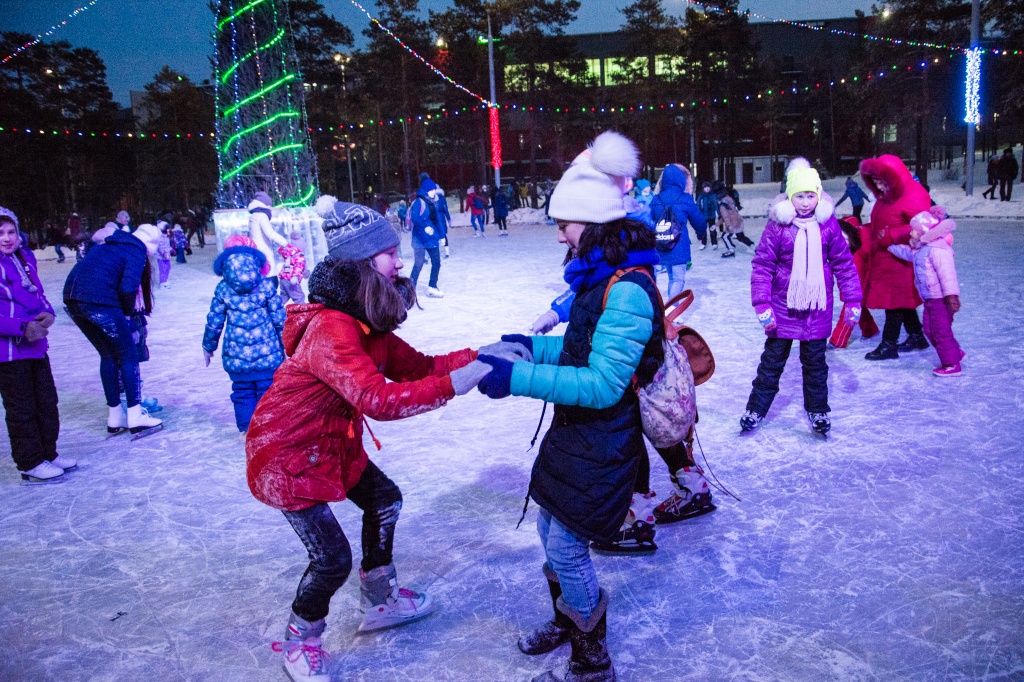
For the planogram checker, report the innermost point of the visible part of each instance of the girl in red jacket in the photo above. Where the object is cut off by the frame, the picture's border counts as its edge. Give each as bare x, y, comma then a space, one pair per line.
304, 447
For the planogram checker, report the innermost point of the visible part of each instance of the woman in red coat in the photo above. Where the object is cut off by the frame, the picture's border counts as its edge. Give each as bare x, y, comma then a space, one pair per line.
890, 281
304, 446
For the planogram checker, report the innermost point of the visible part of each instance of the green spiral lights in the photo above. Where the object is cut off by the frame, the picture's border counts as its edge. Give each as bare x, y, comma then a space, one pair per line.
262, 133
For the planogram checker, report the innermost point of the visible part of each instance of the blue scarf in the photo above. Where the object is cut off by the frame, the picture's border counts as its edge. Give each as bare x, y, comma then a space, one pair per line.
580, 273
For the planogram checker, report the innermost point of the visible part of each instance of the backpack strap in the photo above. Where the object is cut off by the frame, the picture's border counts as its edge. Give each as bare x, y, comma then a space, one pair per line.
619, 274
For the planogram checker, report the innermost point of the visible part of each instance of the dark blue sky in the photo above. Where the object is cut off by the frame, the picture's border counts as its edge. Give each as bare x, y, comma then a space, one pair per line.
137, 37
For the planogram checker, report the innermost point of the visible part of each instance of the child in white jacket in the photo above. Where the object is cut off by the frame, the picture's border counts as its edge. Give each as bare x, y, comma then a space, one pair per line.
931, 250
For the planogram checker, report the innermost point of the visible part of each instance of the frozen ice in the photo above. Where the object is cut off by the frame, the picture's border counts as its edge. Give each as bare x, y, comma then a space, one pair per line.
892, 551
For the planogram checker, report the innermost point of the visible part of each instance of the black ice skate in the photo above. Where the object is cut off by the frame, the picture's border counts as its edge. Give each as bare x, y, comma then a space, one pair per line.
638, 538
750, 420
636, 534
820, 422
691, 497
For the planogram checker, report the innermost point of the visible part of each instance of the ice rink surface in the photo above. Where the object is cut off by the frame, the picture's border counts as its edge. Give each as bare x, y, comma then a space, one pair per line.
894, 551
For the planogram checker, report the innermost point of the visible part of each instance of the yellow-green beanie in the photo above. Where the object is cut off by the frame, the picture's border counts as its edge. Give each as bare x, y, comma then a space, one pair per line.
803, 180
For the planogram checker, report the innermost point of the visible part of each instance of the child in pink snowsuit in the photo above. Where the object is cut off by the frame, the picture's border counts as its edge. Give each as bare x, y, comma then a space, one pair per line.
931, 251
293, 270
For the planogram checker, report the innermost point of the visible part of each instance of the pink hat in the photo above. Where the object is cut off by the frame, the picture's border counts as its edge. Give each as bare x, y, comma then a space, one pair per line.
245, 240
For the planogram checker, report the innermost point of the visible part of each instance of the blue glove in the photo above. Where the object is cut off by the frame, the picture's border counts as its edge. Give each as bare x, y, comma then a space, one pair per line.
498, 383
519, 338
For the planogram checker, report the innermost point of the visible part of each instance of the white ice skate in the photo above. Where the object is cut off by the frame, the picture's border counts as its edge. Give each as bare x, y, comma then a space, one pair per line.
434, 292
47, 472
386, 605
117, 421
141, 424
65, 463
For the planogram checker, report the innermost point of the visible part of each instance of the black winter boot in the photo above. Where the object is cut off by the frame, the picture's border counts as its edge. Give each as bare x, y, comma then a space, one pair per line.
590, 661
913, 342
553, 633
885, 351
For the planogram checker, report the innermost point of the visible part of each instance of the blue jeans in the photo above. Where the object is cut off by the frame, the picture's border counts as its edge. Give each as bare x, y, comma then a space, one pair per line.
245, 395
568, 555
110, 333
478, 222
420, 257
60, 254
676, 279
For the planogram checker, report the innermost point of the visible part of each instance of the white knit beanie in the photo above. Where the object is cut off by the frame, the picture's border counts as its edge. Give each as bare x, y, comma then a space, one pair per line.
593, 187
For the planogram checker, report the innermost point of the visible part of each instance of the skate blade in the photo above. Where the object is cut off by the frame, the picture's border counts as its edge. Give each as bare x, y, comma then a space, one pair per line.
666, 519
394, 622
148, 431
624, 550
114, 433
27, 480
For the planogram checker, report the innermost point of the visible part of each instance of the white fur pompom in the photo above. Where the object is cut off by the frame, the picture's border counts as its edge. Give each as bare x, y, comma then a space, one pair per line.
823, 211
797, 162
785, 212
614, 154
325, 205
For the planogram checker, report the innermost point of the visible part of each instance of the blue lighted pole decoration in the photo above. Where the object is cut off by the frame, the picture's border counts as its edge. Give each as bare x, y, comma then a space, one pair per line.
262, 133
973, 103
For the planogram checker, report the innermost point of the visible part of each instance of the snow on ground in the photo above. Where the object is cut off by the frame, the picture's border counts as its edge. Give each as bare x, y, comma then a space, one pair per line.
894, 551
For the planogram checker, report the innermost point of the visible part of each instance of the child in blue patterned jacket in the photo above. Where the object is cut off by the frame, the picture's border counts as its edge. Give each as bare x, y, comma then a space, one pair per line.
249, 305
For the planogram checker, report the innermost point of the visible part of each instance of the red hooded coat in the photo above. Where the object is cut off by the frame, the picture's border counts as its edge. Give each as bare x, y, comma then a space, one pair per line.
305, 441
889, 283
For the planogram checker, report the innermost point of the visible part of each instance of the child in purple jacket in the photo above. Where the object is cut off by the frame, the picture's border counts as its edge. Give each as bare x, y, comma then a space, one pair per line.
800, 253
26, 382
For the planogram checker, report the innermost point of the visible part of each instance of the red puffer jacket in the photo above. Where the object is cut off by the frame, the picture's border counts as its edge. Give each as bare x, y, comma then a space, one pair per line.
305, 441
890, 281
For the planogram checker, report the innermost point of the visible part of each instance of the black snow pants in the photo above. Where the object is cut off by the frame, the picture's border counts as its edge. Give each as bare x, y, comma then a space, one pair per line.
30, 401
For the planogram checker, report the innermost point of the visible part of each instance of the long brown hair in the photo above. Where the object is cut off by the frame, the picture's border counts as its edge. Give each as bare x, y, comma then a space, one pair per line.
385, 305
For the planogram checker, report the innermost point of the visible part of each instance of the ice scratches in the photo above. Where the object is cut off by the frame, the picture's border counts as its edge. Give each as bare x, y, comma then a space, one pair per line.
892, 552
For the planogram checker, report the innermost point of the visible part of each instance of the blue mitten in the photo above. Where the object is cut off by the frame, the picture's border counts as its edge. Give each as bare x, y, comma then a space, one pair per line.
498, 383
519, 338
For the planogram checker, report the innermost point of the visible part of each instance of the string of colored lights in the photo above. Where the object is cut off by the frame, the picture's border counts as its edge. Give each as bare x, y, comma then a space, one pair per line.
417, 55
708, 7
445, 113
227, 20
49, 32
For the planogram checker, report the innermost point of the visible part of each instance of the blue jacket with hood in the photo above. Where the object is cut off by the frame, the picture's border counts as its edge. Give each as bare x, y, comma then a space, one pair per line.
676, 195
110, 274
248, 304
427, 225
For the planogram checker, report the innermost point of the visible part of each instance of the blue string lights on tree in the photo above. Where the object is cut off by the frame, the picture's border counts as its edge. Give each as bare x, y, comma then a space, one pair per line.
262, 135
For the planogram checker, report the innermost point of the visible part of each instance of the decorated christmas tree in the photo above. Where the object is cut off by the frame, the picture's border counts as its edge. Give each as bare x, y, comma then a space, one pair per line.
262, 139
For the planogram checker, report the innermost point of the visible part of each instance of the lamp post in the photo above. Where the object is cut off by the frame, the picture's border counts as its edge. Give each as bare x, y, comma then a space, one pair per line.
341, 60
973, 87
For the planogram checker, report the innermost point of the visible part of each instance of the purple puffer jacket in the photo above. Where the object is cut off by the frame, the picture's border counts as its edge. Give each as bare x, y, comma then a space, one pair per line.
769, 280
18, 305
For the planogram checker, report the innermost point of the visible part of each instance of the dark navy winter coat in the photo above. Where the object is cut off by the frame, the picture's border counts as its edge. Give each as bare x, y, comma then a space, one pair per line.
249, 306
676, 186
589, 458
500, 205
110, 274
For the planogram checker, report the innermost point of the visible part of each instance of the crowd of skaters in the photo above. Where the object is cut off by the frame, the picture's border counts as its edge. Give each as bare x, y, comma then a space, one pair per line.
358, 296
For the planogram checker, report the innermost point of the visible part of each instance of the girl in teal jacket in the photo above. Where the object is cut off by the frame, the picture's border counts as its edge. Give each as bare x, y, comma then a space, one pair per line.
584, 475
